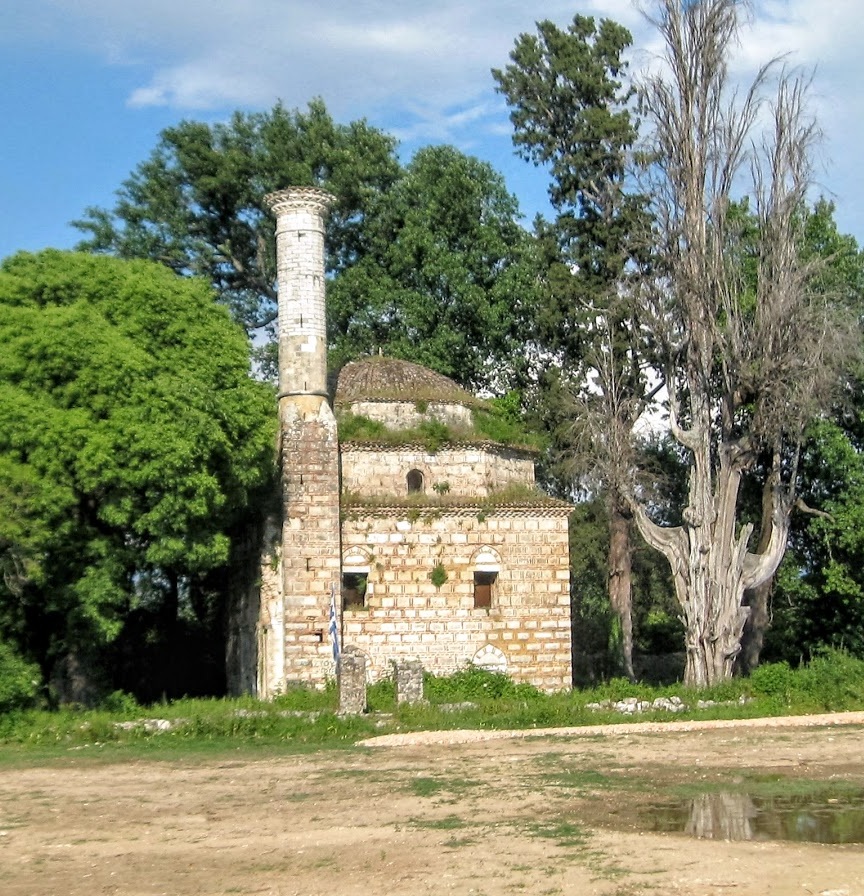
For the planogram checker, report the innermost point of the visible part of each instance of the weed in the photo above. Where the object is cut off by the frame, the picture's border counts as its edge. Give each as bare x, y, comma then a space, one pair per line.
426, 786
456, 842
449, 823
433, 786
565, 833
438, 576
583, 779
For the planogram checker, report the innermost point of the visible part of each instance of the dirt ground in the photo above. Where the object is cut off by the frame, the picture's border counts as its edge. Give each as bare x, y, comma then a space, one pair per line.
542, 815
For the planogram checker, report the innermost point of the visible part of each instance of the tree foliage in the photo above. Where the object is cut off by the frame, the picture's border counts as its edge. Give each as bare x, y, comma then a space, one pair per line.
195, 205
133, 440
570, 103
449, 277
425, 261
749, 356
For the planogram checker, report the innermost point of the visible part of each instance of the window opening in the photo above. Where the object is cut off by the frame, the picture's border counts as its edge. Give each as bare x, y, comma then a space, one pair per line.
415, 481
483, 582
354, 589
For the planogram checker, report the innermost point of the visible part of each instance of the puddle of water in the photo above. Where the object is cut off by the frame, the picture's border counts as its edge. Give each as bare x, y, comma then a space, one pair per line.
814, 818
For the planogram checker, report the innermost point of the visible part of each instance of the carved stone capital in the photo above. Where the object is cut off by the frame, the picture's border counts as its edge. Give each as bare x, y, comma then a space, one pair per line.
299, 199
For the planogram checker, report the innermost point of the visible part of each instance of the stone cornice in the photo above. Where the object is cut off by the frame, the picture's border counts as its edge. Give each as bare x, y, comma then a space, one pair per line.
388, 507
299, 199
495, 448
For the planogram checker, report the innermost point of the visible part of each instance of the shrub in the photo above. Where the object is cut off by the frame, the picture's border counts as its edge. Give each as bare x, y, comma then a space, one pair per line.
833, 679
120, 703
773, 680
474, 683
19, 680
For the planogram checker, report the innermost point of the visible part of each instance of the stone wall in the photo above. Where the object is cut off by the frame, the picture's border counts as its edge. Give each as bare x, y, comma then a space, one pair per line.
473, 471
525, 632
310, 548
408, 414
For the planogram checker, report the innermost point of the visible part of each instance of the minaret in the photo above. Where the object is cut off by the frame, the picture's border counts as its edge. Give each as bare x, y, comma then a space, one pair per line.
309, 447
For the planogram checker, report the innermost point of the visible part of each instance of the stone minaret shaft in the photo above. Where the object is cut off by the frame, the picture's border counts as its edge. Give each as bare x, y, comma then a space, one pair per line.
309, 447
300, 214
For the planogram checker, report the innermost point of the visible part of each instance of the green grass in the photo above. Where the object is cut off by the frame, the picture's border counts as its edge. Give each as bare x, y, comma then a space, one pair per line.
435, 786
564, 833
303, 720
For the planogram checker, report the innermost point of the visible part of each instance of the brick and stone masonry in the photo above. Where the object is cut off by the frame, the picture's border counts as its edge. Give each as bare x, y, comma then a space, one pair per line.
525, 632
375, 526
309, 451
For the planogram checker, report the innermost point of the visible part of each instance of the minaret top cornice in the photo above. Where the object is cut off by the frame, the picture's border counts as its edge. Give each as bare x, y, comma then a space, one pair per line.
299, 199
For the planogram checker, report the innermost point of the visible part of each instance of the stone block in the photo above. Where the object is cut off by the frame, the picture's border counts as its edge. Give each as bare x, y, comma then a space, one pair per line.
352, 683
409, 681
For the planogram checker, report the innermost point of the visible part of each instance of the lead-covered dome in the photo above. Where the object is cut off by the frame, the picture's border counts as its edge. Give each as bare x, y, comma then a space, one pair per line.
402, 395
381, 379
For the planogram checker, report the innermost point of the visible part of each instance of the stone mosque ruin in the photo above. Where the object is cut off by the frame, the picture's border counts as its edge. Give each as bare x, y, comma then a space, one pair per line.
409, 550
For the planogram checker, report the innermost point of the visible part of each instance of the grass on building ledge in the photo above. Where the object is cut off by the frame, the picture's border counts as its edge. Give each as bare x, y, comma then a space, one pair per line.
433, 435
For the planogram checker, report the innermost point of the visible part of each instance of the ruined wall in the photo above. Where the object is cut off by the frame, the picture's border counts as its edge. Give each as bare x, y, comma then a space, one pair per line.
470, 471
407, 414
525, 632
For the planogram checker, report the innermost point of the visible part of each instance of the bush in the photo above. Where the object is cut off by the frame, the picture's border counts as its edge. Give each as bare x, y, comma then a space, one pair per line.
773, 680
120, 703
19, 680
833, 679
475, 683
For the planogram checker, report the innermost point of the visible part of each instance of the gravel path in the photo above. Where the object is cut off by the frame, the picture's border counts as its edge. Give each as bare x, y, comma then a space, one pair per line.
465, 736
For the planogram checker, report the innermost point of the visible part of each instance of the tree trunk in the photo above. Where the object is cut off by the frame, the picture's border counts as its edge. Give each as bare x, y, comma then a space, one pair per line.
753, 637
620, 579
711, 566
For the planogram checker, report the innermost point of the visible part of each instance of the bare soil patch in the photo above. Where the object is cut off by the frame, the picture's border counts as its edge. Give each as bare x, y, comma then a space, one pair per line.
542, 815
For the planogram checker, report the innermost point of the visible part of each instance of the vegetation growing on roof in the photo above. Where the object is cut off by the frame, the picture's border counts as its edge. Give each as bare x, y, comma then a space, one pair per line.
392, 379
488, 425
515, 493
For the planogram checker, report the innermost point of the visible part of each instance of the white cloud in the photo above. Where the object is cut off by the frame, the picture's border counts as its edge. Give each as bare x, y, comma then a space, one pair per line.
417, 69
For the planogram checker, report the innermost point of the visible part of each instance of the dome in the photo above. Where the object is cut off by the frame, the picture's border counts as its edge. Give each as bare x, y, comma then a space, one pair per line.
380, 379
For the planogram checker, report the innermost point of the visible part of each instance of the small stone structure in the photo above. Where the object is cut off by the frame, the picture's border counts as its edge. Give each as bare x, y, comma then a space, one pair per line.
409, 681
352, 683
439, 552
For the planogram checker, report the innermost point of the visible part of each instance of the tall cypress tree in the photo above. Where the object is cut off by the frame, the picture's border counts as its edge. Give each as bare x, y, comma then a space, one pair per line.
571, 111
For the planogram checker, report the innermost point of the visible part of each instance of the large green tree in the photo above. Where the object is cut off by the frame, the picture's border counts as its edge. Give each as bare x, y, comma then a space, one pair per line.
818, 595
425, 261
195, 204
570, 102
449, 278
133, 442
827, 473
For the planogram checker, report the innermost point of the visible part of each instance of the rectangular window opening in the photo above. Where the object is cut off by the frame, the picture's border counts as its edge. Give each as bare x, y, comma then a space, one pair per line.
483, 582
354, 589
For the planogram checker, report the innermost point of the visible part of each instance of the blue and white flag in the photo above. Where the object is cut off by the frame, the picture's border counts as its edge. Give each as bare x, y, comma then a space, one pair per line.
334, 628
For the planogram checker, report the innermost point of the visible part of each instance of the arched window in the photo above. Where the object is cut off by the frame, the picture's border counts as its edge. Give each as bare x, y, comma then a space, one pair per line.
415, 481
487, 564
356, 587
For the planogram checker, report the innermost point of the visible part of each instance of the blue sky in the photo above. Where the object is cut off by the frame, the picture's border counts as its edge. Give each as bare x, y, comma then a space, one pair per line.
86, 85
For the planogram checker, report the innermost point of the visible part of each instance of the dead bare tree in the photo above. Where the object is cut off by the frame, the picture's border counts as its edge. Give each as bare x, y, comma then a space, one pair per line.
746, 366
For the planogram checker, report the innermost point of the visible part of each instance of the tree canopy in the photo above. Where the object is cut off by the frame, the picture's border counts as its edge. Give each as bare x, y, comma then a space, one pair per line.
570, 105
425, 261
133, 440
750, 347
195, 204
449, 279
